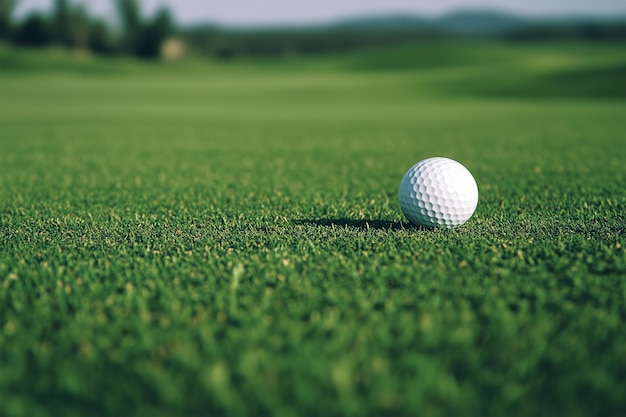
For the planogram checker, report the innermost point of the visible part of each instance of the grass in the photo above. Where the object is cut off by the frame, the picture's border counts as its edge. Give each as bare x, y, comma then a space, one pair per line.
204, 239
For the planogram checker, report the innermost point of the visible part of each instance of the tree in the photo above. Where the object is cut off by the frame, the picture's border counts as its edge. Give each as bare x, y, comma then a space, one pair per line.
80, 27
154, 34
61, 22
130, 19
100, 40
6, 8
34, 31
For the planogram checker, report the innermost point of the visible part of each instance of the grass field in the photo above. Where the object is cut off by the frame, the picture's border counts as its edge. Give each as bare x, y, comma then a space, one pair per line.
225, 239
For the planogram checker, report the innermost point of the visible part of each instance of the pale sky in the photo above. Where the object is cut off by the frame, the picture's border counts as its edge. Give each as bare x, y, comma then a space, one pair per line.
267, 12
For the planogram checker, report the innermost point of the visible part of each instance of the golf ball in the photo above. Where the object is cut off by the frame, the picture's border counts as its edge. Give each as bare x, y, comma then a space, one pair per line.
438, 192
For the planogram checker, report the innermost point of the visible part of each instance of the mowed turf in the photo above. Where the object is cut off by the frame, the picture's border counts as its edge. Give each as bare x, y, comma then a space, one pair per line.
204, 239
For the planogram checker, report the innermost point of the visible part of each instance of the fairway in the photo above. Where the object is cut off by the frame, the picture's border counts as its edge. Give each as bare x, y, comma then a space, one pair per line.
225, 239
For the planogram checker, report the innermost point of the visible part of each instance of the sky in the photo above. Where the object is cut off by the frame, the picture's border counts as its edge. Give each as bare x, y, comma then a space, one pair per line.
286, 12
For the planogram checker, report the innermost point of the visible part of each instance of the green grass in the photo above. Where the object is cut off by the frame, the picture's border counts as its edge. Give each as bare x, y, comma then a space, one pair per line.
204, 239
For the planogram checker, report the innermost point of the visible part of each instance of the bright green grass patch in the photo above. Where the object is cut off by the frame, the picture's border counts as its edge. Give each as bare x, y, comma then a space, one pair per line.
227, 241
507, 70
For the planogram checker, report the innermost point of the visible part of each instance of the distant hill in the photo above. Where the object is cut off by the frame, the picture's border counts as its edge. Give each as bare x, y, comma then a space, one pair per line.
476, 22
468, 22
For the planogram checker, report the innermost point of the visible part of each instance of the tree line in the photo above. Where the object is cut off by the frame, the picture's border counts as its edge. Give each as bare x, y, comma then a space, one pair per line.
69, 25
582, 31
224, 44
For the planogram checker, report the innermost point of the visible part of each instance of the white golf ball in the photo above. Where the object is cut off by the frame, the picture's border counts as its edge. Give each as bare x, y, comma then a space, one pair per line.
438, 192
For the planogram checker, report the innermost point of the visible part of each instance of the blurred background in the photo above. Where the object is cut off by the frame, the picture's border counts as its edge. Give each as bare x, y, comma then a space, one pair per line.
154, 29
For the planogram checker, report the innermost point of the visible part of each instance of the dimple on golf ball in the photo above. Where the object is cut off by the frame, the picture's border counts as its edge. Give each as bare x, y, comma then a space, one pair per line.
438, 192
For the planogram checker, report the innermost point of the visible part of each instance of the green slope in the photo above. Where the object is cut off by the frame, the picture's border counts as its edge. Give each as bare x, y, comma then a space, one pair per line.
514, 70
